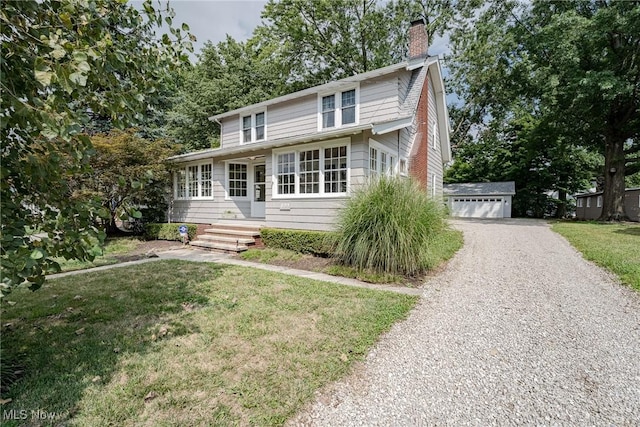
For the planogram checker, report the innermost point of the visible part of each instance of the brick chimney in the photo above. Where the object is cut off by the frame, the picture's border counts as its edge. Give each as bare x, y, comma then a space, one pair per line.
418, 40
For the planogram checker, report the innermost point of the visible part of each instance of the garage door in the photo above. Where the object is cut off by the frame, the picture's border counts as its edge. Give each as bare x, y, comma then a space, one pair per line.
478, 207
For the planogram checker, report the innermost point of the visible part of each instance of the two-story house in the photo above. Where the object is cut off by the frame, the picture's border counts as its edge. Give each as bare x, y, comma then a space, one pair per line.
292, 161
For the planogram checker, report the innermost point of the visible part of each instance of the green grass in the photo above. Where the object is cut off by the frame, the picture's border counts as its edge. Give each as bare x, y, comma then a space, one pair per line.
615, 247
268, 254
115, 246
179, 343
442, 247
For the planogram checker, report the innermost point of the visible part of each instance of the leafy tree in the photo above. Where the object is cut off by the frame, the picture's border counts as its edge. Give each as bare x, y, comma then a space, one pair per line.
127, 172
521, 150
573, 65
62, 61
327, 40
228, 75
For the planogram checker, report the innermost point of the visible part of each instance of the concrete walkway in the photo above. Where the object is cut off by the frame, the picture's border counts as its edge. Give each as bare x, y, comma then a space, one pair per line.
197, 255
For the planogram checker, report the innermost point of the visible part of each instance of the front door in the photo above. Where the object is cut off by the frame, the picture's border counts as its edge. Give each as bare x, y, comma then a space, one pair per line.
259, 193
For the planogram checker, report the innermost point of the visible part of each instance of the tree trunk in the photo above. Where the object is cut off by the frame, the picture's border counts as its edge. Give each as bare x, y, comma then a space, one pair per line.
613, 191
112, 229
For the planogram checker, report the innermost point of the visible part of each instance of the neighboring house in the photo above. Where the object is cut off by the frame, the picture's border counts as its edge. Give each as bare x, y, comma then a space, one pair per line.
480, 200
589, 205
293, 161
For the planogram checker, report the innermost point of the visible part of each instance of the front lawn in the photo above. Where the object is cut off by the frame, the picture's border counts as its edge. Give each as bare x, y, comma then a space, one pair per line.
119, 249
612, 246
179, 343
112, 247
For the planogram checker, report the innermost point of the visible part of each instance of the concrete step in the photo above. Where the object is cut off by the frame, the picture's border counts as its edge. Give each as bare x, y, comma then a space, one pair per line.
233, 232
219, 246
227, 239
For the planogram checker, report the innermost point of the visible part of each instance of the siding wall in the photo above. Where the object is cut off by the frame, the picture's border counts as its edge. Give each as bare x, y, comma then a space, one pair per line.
209, 211
378, 101
631, 204
314, 213
296, 117
434, 157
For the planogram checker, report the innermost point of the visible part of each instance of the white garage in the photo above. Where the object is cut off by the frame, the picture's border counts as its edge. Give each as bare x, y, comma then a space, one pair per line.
480, 200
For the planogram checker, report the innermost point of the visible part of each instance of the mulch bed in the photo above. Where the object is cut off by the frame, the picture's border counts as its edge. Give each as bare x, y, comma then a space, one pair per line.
147, 248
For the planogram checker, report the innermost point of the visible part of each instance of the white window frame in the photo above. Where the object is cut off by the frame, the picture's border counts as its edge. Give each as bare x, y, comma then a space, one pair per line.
588, 202
580, 203
309, 147
434, 135
338, 107
227, 195
253, 126
599, 201
403, 166
391, 161
433, 185
185, 169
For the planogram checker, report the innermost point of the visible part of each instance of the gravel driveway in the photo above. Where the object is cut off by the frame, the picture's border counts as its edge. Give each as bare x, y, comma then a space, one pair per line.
519, 330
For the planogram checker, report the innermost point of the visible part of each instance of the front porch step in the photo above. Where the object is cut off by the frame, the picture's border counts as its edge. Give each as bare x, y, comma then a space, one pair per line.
233, 232
227, 239
227, 247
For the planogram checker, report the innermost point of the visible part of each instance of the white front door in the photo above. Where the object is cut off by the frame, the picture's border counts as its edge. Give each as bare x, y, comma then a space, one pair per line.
259, 190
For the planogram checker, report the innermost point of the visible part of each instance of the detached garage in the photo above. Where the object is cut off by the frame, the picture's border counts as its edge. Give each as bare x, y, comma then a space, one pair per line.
480, 200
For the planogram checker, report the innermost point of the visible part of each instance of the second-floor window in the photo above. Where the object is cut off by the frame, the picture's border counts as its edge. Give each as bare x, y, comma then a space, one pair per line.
338, 109
253, 127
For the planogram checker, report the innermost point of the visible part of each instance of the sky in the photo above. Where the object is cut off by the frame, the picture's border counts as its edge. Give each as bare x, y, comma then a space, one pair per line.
214, 19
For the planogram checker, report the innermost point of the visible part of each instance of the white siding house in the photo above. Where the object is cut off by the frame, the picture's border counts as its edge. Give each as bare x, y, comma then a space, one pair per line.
292, 161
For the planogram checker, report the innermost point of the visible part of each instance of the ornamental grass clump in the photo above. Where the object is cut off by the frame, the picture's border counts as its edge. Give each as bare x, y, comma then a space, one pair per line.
389, 227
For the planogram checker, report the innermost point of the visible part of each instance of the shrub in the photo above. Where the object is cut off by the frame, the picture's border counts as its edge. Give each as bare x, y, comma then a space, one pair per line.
320, 243
388, 226
163, 231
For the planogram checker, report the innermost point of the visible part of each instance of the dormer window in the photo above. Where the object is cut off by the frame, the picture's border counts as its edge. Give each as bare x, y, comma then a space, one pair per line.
338, 109
253, 127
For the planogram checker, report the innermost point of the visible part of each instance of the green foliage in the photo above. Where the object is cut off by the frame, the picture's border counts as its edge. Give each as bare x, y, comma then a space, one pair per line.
571, 66
228, 75
388, 227
164, 231
63, 61
522, 150
318, 243
332, 40
127, 172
